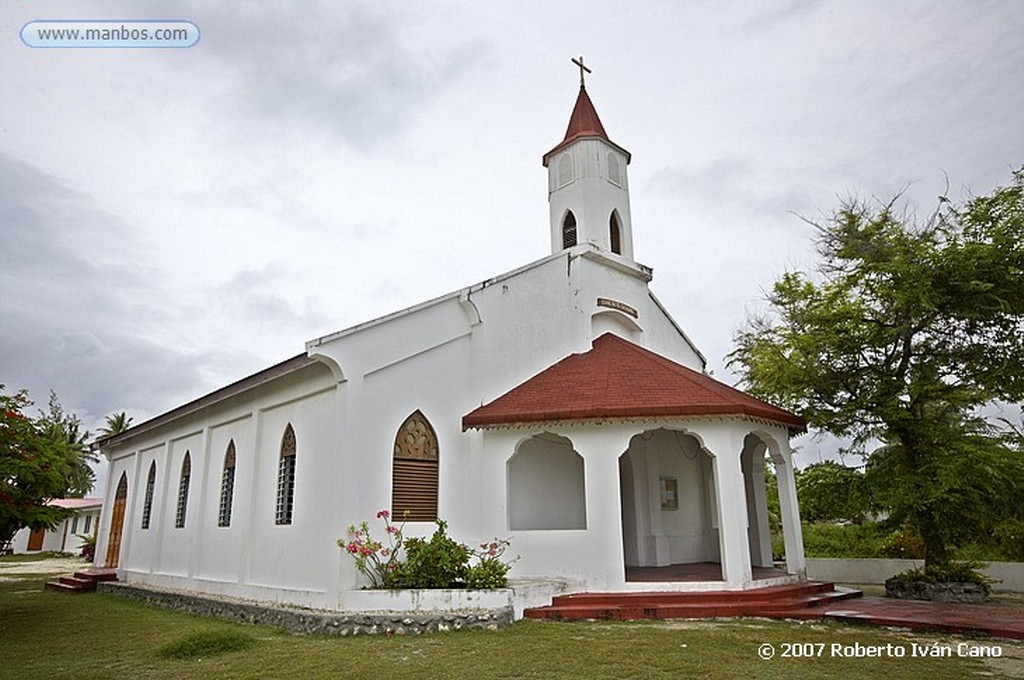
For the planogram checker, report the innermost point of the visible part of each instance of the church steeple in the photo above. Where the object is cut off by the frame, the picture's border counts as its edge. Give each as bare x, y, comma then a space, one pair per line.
588, 192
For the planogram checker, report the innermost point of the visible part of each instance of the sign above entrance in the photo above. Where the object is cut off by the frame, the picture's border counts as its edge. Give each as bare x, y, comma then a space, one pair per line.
616, 305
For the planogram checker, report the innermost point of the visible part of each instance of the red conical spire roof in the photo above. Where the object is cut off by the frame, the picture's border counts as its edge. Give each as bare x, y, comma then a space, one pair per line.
584, 122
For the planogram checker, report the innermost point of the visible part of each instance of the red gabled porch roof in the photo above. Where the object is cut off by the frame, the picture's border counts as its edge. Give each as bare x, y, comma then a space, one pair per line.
617, 379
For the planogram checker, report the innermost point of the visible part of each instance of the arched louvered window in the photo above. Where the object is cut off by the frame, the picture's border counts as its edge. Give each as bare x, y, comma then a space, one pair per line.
564, 169
614, 174
147, 503
415, 471
227, 487
286, 478
615, 233
186, 475
569, 230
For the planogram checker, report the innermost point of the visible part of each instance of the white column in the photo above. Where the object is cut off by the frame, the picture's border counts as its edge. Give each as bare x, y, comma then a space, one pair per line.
601, 447
792, 533
757, 507
725, 443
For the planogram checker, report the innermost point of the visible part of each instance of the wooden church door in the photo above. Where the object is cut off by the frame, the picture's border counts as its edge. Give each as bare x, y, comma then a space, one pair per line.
117, 522
35, 540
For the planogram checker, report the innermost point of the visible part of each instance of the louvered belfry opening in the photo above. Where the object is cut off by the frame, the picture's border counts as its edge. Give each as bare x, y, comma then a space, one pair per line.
415, 471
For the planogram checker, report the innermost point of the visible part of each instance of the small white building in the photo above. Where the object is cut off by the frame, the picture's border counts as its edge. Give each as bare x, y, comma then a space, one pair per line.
69, 535
558, 404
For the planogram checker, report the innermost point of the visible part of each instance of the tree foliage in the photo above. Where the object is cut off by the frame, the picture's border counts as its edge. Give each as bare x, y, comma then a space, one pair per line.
39, 461
65, 429
905, 330
115, 423
830, 492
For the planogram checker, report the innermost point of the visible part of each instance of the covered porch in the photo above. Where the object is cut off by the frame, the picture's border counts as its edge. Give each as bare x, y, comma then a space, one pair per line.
621, 470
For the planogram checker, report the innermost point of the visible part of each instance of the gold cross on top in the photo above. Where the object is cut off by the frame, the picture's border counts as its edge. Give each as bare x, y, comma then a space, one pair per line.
579, 62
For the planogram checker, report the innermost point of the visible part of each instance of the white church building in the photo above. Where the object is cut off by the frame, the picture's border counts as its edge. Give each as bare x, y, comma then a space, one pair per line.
558, 405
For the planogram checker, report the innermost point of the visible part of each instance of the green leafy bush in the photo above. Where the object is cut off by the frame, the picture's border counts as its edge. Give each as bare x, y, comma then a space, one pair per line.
835, 540
438, 562
953, 572
903, 544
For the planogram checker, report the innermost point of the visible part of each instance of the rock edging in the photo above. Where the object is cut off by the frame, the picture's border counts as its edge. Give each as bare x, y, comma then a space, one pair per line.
935, 592
315, 622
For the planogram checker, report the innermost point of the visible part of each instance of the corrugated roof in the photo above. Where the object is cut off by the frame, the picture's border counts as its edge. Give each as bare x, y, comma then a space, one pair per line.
617, 379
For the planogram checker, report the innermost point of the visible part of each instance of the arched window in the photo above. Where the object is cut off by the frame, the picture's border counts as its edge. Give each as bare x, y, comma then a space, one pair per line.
227, 487
614, 174
569, 230
147, 504
286, 478
186, 474
564, 169
615, 233
415, 471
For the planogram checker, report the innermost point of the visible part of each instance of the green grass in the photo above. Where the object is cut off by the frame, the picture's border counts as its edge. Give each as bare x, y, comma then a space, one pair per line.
207, 643
35, 557
54, 635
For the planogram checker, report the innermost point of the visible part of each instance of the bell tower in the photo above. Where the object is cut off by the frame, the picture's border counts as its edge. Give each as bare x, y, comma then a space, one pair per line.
588, 191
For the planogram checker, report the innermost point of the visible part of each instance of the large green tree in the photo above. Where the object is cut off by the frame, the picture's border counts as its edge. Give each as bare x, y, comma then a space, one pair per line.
38, 463
904, 331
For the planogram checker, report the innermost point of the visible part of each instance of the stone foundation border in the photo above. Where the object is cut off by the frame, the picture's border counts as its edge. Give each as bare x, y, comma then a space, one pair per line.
314, 622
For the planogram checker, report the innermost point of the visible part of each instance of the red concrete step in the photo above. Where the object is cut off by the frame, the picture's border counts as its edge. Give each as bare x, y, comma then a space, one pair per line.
62, 587
77, 582
790, 601
772, 593
81, 581
96, 575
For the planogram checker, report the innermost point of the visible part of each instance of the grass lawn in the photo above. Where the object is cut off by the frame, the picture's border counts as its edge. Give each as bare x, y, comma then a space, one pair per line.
54, 635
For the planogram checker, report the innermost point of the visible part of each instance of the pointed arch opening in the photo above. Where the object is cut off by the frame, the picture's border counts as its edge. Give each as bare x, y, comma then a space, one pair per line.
147, 503
116, 523
568, 230
183, 483
415, 468
615, 233
286, 478
227, 487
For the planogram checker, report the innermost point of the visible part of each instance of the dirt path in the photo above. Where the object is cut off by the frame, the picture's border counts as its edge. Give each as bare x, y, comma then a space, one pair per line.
53, 565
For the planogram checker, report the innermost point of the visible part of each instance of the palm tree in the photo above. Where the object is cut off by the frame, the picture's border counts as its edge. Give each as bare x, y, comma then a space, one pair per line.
116, 424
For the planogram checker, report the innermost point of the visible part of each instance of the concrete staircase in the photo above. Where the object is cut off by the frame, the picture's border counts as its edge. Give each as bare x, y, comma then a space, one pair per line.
793, 601
82, 581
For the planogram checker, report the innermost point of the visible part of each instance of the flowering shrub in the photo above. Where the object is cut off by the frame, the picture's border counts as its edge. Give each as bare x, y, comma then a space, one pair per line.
490, 571
437, 562
377, 561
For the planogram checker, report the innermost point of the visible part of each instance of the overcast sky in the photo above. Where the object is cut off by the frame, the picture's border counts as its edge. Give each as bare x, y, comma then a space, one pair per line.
172, 220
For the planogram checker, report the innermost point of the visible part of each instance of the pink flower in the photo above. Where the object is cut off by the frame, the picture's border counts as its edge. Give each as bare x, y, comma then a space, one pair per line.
392, 529
383, 513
